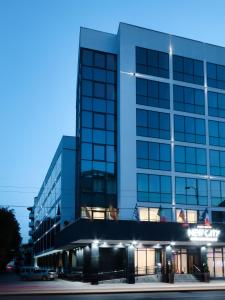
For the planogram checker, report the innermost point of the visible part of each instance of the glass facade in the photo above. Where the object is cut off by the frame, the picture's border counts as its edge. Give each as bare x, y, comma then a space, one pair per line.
217, 133
188, 99
191, 191
216, 104
154, 156
152, 62
47, 210
153, 124
188, 129
152, 93
190, 160
188, 70
191, 186
97, 127
154, 188
216, 76
217, 193
217, 162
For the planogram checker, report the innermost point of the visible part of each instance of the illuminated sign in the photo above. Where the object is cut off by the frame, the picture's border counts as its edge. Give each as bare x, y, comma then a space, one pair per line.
203, 234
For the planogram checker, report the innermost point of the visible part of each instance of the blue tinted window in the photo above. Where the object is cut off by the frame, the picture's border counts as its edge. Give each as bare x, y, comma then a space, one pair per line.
87, 119
87, 57
216, 104
99, 75
99, 90
87, 73
153, 124
86, 151
190, 160
217, 133
191, 191
154, 188
152, 62
188, 99
217, 193
188, 70
99, 152
217, 162
86, 135
152, 93
87, 88
216, 76
111, 62
99, 121
153, 156
99, 60
99, 136
110, 92
110, 154
188, 129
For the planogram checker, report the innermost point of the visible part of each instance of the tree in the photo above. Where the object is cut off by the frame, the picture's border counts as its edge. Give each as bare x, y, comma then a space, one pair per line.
10, 238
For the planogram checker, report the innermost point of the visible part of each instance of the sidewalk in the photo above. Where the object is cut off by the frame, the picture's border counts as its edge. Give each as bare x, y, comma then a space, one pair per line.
68, 287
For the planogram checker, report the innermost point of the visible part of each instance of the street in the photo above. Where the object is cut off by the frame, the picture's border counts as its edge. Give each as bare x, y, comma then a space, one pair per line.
134, 296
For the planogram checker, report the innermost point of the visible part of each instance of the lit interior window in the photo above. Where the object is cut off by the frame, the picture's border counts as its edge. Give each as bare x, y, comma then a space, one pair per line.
98, 215
153, 215
143, 213
192, 216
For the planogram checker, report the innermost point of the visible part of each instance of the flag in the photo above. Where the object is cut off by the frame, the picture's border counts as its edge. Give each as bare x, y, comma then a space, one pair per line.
113, 212
183, 218
136, 213
182, 215
160, 214
87, 212
205, 217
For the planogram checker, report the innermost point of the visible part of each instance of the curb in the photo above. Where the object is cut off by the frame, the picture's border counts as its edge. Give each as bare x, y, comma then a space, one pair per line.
114, 291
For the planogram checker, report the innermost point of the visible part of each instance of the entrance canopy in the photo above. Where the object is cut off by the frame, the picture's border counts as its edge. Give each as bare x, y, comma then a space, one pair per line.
85, 231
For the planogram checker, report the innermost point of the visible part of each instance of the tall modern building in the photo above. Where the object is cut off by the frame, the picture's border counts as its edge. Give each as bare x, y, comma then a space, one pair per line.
150, 159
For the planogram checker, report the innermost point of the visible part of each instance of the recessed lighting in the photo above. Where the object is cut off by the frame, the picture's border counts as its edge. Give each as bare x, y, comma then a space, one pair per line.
96, 242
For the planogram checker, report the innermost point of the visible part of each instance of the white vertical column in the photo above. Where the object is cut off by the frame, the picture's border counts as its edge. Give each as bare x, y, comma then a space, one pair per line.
207, 137
172, 132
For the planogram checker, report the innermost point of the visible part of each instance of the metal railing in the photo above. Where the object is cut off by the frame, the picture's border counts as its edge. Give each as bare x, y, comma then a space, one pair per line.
141, 271
116, 274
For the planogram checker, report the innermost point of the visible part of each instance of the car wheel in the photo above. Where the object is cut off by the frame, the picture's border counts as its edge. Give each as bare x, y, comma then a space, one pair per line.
44, 278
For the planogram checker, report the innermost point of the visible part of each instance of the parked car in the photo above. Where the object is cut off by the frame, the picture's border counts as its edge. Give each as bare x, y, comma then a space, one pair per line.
37, 274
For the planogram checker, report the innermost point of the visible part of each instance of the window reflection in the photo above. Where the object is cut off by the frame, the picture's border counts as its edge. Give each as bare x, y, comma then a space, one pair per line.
152, 62
188, 70
154, 188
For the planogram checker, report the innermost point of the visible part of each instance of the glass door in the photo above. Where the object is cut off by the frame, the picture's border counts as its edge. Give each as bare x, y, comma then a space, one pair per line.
180, 261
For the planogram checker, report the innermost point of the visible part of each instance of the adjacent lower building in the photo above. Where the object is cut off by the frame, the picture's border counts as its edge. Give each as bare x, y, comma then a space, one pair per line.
54, 207
150, 160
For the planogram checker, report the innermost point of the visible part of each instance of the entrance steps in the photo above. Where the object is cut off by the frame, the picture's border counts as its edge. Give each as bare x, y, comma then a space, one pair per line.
154, 278
185, 278
148, 278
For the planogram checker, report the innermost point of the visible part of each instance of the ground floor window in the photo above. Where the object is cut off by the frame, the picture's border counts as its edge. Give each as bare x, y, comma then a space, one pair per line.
216, 258
145, 261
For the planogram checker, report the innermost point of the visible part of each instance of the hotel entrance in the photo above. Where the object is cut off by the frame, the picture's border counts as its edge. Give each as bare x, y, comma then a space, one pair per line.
186, 260
146, 260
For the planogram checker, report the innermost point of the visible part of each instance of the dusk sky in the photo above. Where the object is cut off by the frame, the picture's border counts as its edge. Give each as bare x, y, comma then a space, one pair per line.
38, 63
